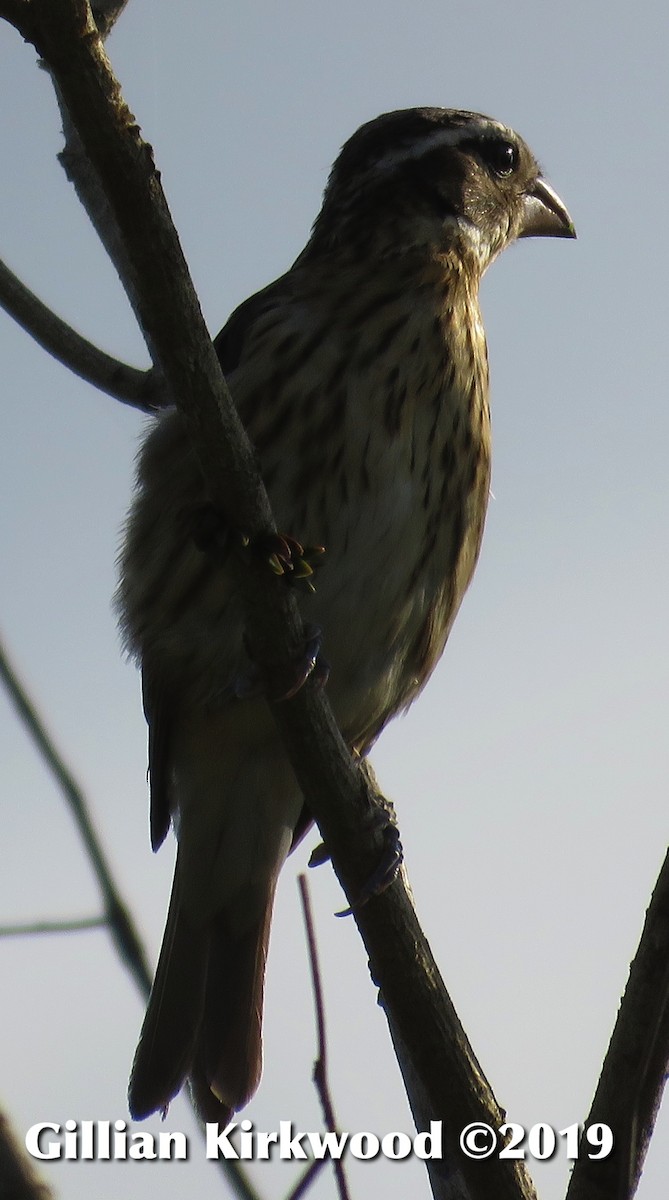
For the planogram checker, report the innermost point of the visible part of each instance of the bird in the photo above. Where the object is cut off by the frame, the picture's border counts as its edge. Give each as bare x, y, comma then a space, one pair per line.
361, 375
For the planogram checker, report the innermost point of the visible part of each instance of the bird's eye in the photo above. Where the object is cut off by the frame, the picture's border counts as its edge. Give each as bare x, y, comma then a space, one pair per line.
500, 157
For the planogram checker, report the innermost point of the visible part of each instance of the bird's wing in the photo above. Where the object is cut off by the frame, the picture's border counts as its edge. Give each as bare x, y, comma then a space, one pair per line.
181, 577
231, 344
157, 711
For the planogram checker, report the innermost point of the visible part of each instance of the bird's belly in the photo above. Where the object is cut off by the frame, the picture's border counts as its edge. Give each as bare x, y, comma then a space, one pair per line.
386, 601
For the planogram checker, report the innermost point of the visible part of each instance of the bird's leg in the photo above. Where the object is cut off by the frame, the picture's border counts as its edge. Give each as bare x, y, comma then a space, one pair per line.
381, 817
306, 664
286, 557
386, 870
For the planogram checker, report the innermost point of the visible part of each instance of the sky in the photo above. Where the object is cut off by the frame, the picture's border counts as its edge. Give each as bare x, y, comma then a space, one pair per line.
530, 778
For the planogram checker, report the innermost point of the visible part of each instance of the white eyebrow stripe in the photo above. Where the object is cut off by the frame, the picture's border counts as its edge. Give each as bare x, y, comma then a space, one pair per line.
440, 137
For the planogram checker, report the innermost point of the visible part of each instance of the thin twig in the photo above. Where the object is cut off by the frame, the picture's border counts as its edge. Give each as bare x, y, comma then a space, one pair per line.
321, 1065
140, 389
122, 928
121, 925
29, 928
308, 1178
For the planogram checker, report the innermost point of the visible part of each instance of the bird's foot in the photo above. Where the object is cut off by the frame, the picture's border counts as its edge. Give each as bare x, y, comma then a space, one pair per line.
392, 856
385, 872
307, 663
288, 557
284, 555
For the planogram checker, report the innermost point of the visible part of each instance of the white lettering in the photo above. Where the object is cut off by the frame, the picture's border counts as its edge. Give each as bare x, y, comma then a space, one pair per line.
246, 1139
428, 1145
97, 1141
329, 1144
217, 1143
71, 1139
172, 1145
263, 1141
364, 1145
396, 1145
290, 1147
120, 1139
142, 1146
32, 1141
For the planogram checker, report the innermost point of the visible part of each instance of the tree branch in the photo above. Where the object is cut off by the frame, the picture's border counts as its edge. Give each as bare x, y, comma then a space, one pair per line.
18, 1178
117, 918
141, 389
632, 1081
121, 926
31, 928
17, 12
321, 1065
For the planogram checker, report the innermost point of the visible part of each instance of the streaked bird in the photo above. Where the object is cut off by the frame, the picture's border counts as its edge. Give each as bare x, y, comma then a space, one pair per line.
362, 378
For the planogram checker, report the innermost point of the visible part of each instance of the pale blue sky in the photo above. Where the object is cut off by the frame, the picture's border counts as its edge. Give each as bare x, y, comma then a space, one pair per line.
530, 779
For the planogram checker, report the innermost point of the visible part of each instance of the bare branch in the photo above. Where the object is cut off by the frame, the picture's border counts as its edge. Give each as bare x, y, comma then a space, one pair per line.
17, 12
18, 1179
321, 1064
308, 1178
632, 1081
121, 926
29, 928
141, 389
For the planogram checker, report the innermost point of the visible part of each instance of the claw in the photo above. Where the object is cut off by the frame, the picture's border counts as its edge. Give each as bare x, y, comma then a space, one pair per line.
252, 683
286, 556
319, 855
384, 874
308, 663
279, 550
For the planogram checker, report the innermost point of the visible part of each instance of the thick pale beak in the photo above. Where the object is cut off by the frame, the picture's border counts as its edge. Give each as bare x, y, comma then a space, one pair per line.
544, 214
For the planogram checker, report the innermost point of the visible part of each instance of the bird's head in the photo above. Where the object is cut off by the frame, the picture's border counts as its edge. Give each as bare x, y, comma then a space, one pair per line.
440, 179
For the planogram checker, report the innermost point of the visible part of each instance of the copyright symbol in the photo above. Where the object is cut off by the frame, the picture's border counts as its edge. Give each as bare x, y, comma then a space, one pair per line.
478, 1140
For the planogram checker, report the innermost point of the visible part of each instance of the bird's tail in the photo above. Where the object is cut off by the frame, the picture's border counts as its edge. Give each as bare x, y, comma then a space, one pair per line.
204, 1017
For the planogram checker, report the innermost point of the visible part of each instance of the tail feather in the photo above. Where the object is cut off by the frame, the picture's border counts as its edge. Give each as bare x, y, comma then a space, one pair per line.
174, 1014
228, 1060
235, 805
204, 1018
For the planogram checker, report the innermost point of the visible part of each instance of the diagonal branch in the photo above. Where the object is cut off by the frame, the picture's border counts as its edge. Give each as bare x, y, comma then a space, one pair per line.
18, 1178
120, 923
117, 918
635, 1069
141, 389
339, 794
